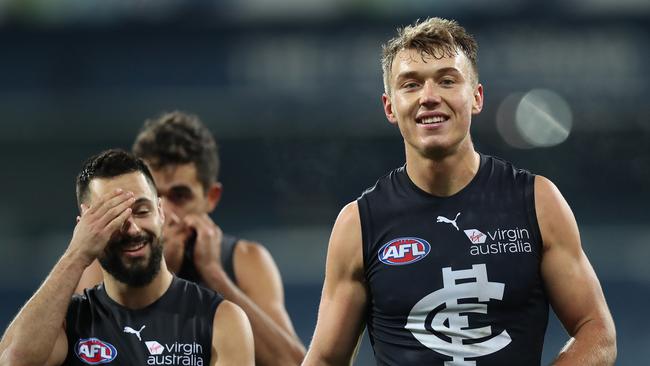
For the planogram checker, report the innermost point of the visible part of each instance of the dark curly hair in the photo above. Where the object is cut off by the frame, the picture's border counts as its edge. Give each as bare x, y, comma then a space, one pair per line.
179, 138
108, 164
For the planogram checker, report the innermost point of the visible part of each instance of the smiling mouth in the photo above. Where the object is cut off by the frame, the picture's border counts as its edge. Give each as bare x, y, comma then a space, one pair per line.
431, 120
135, 247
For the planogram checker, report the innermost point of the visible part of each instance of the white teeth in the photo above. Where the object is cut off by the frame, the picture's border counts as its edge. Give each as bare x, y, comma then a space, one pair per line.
429, 120
133, 248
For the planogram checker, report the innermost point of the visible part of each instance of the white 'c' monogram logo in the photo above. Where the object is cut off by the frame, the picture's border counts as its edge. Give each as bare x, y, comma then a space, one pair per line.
450, 323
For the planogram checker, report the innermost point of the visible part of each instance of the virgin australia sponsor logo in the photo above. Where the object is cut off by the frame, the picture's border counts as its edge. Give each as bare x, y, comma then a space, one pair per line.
499, 241
475, 236
190, 354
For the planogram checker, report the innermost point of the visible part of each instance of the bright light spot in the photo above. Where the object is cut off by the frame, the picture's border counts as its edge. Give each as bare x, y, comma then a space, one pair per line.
543, 118
506, 122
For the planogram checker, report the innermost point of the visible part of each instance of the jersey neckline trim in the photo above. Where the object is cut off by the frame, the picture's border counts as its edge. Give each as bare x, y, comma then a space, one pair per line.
403, 175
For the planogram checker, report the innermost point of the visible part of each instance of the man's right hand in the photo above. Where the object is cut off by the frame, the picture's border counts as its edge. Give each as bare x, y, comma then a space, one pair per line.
98, 222
207, 247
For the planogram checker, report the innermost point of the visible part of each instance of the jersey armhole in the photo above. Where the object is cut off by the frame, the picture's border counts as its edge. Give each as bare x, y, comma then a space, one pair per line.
529, 198
228, 244
366, 230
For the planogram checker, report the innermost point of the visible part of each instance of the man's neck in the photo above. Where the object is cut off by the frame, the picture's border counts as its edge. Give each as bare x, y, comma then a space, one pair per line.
138, 297
446, 175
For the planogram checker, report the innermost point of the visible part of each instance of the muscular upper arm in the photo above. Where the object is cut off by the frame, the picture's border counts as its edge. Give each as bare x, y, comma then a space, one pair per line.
232, 337
259, 278
344, 297
573, 288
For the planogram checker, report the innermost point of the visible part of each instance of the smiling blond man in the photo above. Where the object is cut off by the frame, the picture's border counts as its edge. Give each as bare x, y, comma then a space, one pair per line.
453, 258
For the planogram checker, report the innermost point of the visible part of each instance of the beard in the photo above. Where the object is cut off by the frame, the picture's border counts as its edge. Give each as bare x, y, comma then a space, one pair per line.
138, 272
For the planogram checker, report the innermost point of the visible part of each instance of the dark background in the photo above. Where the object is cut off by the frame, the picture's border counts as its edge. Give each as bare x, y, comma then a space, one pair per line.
292, 91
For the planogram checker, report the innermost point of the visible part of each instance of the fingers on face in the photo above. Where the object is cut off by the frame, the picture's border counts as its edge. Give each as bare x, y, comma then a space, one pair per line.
204, 226
104, 201
118, 221
115, 212
202, 220
113, 206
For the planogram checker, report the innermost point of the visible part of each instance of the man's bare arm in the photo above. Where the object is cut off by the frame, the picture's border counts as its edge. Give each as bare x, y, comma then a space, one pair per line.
37, 335
92, 276
232, 337
344, 297
573, 288
274, 345
262, 301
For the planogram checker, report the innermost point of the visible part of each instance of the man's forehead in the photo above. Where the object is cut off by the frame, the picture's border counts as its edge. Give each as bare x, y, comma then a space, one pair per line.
135, 182
175, 174
409, 57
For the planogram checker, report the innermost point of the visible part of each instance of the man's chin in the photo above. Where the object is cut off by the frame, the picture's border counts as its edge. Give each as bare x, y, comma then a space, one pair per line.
136, 268
134, 275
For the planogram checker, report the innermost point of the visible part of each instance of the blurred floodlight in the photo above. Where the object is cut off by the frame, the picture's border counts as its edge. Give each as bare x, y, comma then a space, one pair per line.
543, 118
506, 122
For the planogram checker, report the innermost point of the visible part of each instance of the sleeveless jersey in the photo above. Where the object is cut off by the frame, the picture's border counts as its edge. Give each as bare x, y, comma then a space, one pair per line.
175, 330
189, 272
454, 280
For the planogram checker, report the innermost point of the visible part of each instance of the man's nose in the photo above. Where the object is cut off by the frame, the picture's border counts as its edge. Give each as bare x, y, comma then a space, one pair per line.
430, 93
130, 227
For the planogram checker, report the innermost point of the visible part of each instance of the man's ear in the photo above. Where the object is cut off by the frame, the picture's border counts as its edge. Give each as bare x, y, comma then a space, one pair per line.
161, 211
214, 195
388, 108
477, 105
82, 208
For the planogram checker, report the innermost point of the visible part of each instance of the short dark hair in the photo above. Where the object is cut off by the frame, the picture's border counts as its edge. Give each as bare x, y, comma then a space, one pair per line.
435, 37
108, 164
179, 138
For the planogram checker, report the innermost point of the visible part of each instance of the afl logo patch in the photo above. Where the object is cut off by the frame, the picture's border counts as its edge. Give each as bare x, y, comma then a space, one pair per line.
402, 251
94, 351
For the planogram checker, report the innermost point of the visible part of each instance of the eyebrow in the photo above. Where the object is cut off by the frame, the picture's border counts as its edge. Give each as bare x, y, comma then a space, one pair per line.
414, 74
180, 186
142, 200
176, 187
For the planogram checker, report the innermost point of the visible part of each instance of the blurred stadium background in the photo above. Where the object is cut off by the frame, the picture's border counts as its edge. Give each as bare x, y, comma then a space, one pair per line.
291, 90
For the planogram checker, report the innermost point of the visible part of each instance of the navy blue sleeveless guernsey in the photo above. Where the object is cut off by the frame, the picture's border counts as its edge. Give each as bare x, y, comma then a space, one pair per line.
175, 330
189, 271
454, 280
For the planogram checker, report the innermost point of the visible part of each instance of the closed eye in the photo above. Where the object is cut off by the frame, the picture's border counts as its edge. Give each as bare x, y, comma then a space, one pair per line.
142, 207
